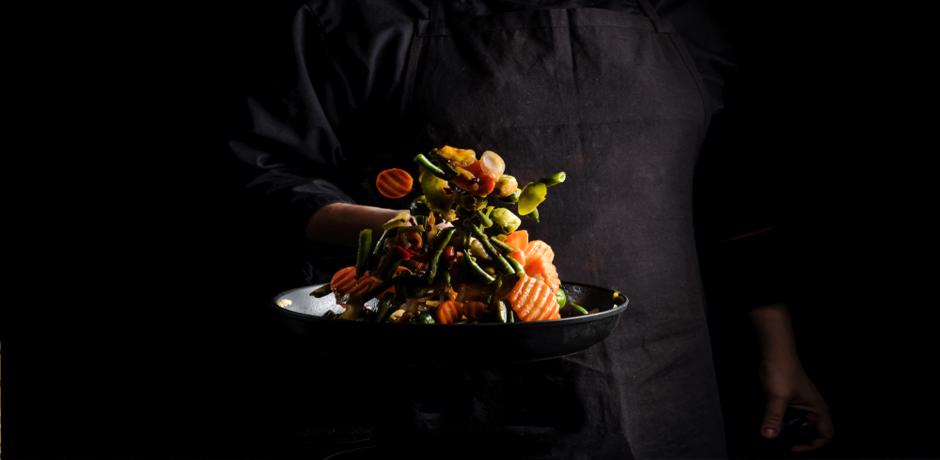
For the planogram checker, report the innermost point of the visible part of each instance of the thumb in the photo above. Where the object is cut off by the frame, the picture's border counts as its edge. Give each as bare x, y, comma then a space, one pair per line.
773, 417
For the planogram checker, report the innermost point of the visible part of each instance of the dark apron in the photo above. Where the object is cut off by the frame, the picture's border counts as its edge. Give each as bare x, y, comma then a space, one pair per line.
611, 97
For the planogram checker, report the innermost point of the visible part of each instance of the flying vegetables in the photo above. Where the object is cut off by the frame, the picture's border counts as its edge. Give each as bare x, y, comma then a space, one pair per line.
457, 254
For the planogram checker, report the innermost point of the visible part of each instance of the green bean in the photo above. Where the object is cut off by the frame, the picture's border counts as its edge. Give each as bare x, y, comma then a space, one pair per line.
379, 243
516, 265
501, 311
554, 179
561, 297
383, 310
581, 310
507, 249
423, 161
420, 220
365, 247
483, 275
500, 260
322, 291
435, 259
449, 169
484, 219
387, 267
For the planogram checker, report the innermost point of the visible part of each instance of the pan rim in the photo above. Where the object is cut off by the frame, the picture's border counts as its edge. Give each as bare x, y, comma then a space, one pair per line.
616, 310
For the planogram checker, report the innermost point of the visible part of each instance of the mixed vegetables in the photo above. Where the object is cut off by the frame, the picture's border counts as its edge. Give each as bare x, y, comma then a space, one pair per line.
457, 254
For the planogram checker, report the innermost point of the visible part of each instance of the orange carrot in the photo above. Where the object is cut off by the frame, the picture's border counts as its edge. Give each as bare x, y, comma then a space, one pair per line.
448, 312
394, 183
364, 285
343, 280
539, 248
533, 300
518, 239
544, 270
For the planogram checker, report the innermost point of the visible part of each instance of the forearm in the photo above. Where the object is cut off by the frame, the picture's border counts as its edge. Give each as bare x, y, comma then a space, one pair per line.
775, 333
340, 223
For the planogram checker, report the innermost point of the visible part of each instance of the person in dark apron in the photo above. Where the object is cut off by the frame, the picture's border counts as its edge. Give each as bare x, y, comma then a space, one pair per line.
602, 89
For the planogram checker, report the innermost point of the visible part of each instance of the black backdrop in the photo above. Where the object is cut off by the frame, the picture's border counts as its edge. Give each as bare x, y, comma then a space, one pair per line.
135, 325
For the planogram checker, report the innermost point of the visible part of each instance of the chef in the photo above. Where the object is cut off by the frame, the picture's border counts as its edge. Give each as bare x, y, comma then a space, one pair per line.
605, 90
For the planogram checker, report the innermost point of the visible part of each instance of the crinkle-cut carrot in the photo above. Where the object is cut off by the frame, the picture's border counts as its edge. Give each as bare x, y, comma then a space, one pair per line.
448, 312
344, 280
544, 270
394, 183
364, 285
533, 300
539, 248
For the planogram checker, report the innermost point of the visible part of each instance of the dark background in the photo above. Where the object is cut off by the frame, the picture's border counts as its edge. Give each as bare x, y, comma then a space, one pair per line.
135, 325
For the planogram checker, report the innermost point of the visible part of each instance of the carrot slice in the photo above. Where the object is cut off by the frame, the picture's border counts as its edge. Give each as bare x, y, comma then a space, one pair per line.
344, 280
518, 239
394, 183
539, 248
364, 285
533, 300
544, 270
448, 312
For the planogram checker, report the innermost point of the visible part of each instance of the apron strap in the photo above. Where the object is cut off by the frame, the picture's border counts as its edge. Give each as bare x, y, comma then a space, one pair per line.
438, 23
652, 14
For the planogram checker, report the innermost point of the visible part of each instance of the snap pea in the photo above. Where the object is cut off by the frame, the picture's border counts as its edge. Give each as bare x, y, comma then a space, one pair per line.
532, 195
365, 247
505, 221
435, 259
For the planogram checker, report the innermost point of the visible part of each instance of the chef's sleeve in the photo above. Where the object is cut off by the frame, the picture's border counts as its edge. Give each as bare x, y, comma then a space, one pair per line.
287, 142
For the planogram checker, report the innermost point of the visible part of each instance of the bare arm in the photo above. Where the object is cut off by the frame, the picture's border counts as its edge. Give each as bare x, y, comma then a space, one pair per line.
340, 223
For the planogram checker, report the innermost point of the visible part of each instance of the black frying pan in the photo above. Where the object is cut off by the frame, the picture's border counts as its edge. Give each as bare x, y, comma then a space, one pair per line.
302, 314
